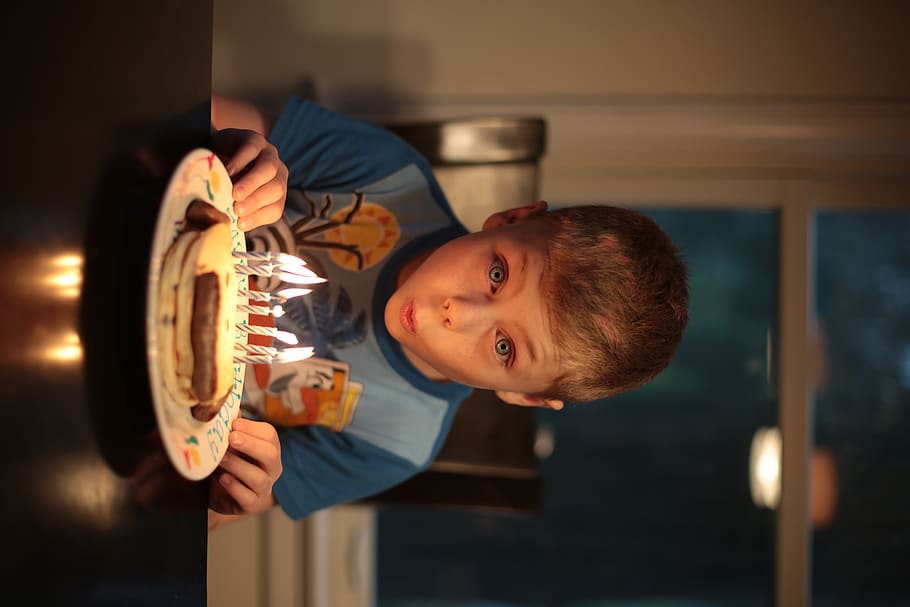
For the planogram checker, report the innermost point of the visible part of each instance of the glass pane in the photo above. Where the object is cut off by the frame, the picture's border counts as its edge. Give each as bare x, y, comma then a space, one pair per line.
647, 495
861, 472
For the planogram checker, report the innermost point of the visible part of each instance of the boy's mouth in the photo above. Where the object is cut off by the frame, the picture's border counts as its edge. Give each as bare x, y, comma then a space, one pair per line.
406, 317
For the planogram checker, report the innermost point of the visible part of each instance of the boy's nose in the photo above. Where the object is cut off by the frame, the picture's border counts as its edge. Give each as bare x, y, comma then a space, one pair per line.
463, 313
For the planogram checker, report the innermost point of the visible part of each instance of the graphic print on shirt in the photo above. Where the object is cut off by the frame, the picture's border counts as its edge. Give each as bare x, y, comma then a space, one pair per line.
358, 236
312, 391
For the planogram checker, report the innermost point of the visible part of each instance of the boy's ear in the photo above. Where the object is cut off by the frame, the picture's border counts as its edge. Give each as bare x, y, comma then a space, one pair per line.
512, 215
526, 400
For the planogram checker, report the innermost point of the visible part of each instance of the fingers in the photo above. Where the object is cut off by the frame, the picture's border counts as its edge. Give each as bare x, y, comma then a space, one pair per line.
260, 194
238, 499
259, 176
263, 207
244, 481
248, 470
219, 499
262, 217
259, 429
259, 443
262, 168
240, 148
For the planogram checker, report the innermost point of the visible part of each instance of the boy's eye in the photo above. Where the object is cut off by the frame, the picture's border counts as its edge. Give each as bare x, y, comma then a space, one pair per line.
503, 348
497, 273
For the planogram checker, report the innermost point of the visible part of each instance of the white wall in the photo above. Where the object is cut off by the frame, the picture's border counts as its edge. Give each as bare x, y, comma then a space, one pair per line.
440, 50
631, 89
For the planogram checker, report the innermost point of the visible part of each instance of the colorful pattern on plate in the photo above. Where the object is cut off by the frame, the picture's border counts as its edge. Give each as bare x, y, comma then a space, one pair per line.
195, 448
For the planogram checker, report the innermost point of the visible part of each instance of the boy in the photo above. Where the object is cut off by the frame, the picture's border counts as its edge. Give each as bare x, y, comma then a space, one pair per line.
542, 307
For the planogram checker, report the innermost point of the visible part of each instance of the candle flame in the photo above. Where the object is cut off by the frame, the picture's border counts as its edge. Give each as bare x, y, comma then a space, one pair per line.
299, 279
290, 355
286, 337
289, 293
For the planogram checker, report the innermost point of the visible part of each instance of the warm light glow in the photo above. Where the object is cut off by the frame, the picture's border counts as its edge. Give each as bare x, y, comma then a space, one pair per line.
65, 279
768, 467
764, 467
68, 261
87, 489
68, 293
544, 441
68, 349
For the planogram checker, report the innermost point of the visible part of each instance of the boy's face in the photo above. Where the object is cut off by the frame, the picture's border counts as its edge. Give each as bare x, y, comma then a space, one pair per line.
473, 311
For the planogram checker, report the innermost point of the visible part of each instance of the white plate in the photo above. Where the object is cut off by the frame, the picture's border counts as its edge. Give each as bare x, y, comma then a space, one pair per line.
194, 447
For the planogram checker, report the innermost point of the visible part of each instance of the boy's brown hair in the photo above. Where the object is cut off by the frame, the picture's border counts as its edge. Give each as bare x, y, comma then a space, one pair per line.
617, 289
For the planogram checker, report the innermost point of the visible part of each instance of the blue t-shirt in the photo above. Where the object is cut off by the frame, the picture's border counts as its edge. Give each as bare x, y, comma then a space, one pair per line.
361, 204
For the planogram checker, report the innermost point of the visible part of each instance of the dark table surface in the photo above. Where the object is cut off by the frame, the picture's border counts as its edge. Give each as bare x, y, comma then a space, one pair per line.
102, 99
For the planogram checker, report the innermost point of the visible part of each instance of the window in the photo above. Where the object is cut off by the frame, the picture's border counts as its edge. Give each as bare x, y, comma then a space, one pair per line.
861, 494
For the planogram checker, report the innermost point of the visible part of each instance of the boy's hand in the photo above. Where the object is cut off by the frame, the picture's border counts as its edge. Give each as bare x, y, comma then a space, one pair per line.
260, 177
243, 482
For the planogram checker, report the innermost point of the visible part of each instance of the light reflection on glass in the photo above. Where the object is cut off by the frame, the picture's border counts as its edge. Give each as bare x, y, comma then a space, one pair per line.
764, 468
89, 491
62, 277
65, 350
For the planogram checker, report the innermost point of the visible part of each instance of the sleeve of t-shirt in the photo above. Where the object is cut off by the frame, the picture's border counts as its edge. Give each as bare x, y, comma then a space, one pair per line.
323, 468
326, 151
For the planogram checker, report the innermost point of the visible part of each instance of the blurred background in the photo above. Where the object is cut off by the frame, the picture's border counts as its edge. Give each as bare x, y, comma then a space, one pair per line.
769, 464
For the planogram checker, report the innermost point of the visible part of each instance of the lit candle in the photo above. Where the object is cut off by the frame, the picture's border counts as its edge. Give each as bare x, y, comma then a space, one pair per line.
264, 269
276, 311
289, 355
254, 349
255, 295
286, 337
252, 359
286, 294
298, 279
268, 256
266, 264
280, 297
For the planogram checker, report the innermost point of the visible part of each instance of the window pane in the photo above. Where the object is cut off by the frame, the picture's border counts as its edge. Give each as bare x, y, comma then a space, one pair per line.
647, 495
861, 544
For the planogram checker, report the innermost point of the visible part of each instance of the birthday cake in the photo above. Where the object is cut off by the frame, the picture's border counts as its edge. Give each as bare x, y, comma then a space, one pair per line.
197, 299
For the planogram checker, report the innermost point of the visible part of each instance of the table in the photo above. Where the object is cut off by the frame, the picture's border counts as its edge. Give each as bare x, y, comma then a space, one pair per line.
102, 99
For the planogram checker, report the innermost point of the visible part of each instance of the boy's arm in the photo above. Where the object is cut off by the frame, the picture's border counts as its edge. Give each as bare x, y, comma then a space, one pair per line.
230, 113
218, 520
329, 152
324, 151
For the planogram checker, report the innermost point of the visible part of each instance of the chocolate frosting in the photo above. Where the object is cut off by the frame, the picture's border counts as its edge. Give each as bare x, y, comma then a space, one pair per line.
203, 336
201, 215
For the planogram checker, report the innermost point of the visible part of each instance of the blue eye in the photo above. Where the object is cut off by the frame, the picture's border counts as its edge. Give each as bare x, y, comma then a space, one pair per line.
496, 274
503, 348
